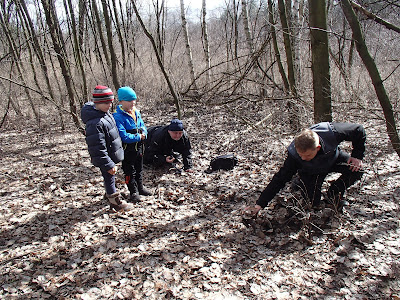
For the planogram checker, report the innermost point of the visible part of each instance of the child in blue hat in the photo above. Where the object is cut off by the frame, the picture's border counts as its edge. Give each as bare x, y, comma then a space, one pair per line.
133, 132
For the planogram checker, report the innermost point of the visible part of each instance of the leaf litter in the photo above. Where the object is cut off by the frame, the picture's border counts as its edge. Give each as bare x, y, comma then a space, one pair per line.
58, 239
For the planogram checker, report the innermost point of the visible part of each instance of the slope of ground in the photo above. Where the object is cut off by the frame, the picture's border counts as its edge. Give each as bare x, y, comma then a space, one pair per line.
58, 239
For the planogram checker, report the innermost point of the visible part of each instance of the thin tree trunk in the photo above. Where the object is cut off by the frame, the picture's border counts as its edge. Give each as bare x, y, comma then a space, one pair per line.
100, 32
246, 27
206, 46
114, 59
77, 50
293, 110
374, 17
59, 46
39, 55
160, 27
161, 65
120, 38
374, 74
320, 61
276, 49
298, 25
95, 26
187, 43
14, 54
288, 47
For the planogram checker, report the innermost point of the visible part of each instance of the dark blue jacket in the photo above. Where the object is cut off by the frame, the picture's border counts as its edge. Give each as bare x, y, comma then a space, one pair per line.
102, 137
330, 136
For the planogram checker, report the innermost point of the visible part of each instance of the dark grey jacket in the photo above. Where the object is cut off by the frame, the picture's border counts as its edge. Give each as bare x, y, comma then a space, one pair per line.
330, 136
102, 137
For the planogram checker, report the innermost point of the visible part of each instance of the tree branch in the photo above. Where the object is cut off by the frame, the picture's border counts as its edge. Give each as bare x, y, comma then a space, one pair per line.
373, 17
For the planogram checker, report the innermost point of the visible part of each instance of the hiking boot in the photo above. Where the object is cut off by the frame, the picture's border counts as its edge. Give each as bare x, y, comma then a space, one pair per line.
134, 198
144, 191
116, 203
134, 192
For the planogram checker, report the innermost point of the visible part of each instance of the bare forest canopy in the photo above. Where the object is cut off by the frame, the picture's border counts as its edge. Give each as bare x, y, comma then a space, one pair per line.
245, 56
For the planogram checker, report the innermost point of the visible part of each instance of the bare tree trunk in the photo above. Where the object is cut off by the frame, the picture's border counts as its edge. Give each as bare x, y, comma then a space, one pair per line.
293, 110
276, 49
246, 27
59, 46
100, 32
350, 59
161, 65
320, 61
39, 55
188, 49
205, 40
160, 10
114, 59
77, 50
95, 26
120, 38
15, 107
288, 47
249, 38
298, 25
15, 57
235, 28
374, 75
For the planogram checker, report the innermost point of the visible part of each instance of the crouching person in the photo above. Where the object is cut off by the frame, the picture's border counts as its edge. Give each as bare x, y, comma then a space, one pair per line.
166, 144
104, 143
314, 154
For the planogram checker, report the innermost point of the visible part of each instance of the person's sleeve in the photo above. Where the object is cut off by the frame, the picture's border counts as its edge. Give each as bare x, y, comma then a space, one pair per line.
95, 139
354, 133
278, 181
141, 124
126, 137
187, 154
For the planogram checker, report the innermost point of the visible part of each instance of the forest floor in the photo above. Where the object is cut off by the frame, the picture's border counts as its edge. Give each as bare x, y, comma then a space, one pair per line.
58, 239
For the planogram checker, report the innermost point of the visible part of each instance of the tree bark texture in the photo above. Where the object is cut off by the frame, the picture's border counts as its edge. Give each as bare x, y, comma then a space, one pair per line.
206, 46
320, 61
288, 47
276, 48
187, 45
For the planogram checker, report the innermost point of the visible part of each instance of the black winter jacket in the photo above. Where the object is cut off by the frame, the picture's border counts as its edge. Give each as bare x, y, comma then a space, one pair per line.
102, 137
328, 155
159, 145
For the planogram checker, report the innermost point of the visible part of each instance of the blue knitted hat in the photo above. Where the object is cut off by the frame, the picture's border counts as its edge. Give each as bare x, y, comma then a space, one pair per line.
126, 93
176, 125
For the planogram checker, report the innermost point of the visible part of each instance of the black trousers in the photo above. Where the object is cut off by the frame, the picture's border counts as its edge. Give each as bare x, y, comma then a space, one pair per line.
132, 165
310, 184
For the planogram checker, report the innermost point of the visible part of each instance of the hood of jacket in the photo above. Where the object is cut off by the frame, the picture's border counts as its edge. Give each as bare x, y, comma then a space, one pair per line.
89, 112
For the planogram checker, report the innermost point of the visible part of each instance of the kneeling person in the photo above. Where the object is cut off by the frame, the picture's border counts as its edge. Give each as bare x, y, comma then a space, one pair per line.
166, 143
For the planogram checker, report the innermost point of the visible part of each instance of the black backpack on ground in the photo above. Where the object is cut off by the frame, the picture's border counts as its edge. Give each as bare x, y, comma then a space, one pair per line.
222, 162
